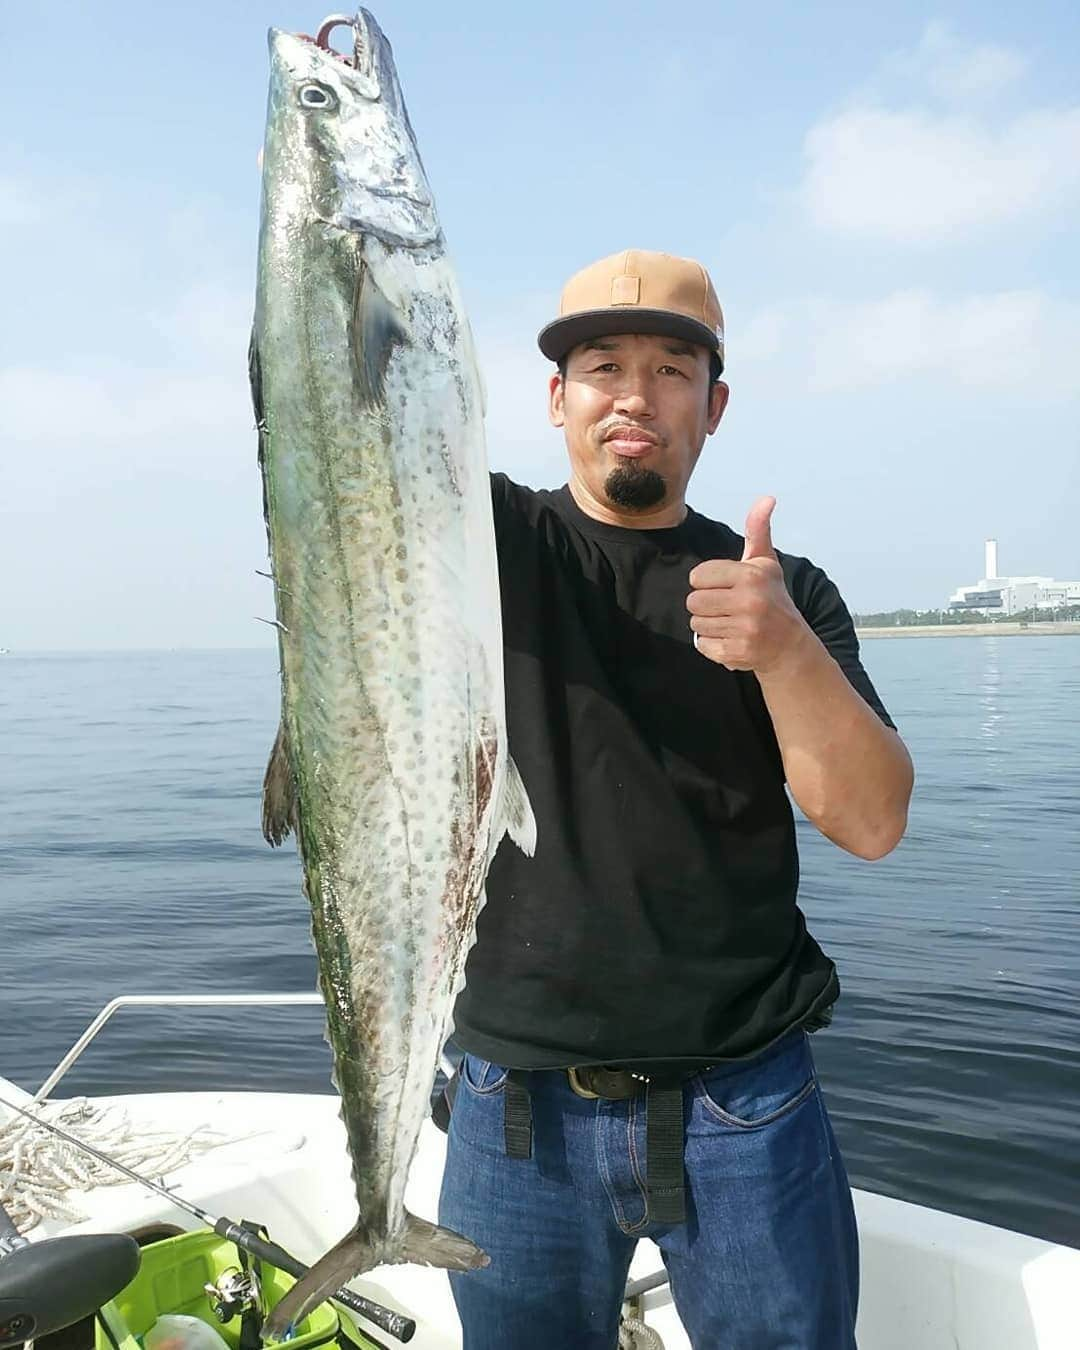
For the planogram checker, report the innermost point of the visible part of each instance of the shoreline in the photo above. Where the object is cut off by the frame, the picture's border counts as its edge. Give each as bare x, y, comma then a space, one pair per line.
1050, 628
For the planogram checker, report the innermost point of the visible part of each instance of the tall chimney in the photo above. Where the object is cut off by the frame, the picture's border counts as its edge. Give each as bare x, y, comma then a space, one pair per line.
991, 559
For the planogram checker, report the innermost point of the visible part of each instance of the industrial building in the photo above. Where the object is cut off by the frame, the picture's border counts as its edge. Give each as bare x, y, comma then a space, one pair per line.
1011, 595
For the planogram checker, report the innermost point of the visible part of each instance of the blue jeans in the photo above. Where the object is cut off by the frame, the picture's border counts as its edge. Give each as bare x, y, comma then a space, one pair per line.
768, 1258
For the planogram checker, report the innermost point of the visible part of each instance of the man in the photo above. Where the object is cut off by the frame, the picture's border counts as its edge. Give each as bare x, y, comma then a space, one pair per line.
664, 678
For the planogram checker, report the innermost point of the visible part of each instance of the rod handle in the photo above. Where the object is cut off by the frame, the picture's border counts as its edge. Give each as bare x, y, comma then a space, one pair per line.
402, 1328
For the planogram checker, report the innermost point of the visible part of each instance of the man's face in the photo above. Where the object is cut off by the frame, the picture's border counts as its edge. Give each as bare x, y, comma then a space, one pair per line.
635, 410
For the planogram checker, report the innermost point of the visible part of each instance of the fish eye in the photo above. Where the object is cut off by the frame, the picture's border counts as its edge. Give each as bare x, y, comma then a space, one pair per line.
317, 96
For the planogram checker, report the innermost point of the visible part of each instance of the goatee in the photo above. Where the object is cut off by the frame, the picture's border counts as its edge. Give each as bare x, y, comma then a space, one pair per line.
634, 488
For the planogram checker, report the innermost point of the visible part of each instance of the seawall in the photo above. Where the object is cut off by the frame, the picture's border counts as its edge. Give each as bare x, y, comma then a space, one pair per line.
971, 630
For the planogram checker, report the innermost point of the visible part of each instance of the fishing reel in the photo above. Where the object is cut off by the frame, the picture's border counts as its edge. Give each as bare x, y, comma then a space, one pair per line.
234, 1293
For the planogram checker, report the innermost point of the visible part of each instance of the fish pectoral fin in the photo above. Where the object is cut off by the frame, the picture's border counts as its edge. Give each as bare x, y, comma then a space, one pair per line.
474, 360
519, 821
423, 1244
352, 1256
378, 327
279, 793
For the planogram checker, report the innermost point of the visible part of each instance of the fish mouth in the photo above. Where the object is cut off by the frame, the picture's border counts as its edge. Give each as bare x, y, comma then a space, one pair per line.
303, 54
362, 49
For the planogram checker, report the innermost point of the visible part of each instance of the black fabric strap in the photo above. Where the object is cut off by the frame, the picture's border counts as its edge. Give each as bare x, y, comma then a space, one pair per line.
517, 1118
664, 1141
444, 1103
252, 1319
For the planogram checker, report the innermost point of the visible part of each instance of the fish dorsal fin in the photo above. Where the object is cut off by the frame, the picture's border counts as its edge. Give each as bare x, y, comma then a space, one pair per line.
517, 812
378, 327
279, 792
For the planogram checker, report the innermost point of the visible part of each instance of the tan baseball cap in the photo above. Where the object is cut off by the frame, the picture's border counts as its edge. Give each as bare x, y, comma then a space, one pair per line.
637, 292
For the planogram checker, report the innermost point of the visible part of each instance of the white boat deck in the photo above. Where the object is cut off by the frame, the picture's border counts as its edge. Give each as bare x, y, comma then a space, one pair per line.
930, 1281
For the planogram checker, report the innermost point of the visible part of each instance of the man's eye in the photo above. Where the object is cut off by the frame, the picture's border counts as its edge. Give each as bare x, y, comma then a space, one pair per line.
673, 370
605, 366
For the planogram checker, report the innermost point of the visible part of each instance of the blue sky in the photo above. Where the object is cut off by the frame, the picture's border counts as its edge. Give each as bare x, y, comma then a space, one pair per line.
887, 197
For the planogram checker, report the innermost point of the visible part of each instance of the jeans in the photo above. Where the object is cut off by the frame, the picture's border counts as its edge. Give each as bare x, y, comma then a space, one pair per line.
768, 1257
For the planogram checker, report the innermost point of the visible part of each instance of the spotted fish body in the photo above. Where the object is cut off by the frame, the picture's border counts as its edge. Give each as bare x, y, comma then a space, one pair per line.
391, 763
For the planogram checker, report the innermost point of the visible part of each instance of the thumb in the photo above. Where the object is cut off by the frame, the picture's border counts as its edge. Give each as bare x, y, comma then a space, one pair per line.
759, 530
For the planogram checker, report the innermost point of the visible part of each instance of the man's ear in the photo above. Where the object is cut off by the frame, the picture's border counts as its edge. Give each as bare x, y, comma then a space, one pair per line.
556, 394
718, 397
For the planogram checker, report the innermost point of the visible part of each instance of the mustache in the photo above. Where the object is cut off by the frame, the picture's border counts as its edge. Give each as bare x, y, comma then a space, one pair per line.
613, 425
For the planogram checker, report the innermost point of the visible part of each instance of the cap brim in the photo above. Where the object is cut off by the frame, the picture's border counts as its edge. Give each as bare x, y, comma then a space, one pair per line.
558, 337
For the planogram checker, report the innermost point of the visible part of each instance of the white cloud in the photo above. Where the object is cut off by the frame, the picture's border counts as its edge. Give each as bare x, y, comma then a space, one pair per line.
113, 414
209, 323
520, 440
194, 396
905, 169
763, 336
957, 72
1013, 343
913, 177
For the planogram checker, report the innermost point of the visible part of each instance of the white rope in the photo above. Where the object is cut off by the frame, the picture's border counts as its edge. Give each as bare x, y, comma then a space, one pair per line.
39, 1169
636, 1335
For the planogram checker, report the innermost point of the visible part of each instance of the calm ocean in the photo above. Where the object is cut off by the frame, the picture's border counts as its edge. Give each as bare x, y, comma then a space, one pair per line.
131, 861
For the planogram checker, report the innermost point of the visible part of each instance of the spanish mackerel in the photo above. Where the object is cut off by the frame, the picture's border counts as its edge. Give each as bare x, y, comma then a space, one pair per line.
391, 762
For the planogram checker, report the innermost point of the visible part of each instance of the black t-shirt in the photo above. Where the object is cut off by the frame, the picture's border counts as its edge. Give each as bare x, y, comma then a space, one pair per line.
657, 920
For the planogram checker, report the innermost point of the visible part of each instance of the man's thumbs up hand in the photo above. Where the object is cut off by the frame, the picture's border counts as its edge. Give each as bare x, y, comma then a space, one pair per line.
759, 530
742, 615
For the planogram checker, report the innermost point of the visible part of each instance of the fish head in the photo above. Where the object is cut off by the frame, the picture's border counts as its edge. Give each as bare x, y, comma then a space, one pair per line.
338, 130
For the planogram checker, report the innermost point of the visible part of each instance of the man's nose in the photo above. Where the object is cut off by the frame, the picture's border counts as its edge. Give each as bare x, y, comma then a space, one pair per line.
634, 401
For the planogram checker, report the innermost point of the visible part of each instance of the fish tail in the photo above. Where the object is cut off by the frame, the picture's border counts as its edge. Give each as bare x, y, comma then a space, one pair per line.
426, 1244
422, 1244
351, 1256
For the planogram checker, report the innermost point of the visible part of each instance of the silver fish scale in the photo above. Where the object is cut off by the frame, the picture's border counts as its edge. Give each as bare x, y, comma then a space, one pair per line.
385, 724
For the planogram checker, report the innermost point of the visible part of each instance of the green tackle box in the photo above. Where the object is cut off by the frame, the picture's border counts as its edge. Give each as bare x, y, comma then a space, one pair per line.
171, 1279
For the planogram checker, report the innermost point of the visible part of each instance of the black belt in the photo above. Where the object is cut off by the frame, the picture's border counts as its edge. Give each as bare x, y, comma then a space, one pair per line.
664, 1135
616, 1085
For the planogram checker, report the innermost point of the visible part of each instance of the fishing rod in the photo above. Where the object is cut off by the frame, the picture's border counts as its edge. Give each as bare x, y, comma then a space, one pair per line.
402, 1328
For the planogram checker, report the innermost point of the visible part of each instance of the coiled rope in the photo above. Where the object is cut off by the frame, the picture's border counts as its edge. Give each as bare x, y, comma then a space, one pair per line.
38, 1170
636, 1335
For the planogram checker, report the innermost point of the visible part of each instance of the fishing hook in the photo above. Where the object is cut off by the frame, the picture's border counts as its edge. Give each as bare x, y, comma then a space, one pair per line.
332, 21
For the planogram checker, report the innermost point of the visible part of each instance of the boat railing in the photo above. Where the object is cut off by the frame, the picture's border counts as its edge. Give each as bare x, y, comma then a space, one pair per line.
635, 1291
163, 1000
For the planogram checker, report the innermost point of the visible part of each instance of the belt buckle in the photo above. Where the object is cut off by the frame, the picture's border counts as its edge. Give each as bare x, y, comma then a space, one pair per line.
578, 1087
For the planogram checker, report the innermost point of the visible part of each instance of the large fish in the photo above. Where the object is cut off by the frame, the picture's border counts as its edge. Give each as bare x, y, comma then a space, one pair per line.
391, 762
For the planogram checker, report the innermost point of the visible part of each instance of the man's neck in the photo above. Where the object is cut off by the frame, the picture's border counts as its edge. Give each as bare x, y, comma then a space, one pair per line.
664, 516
